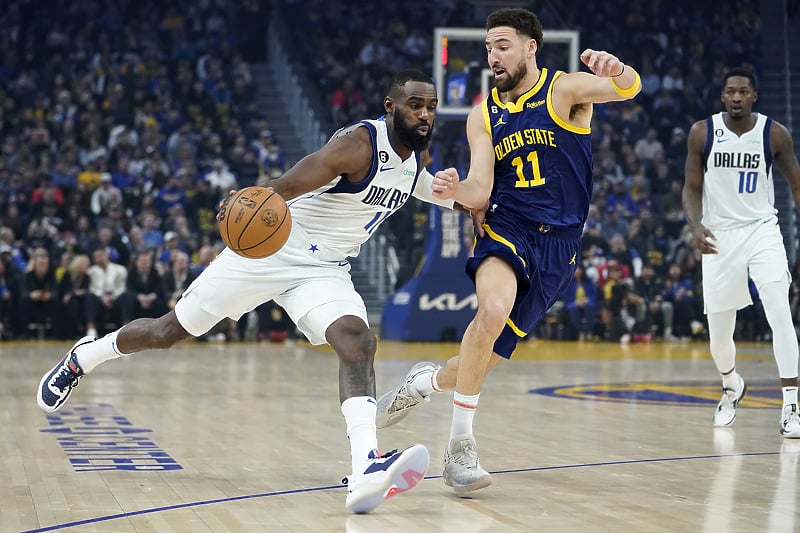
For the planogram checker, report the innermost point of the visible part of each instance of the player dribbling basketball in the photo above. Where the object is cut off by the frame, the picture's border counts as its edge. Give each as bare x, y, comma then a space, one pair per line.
338, 196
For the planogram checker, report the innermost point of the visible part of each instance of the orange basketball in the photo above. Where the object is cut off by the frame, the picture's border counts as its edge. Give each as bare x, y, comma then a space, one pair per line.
255, 223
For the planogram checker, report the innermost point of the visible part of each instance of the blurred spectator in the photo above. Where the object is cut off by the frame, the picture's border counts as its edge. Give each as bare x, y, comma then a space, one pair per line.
38, 302
144, 295
107, 284
581, 305
72, 290
177, 278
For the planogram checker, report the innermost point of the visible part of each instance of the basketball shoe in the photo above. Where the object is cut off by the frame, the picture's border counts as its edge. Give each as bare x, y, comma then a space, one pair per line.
57, 384
726, 408
462, 471
790, 423
396, 404
385, 476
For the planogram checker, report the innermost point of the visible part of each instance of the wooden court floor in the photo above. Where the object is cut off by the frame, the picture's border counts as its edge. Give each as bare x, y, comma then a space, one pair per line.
249, 437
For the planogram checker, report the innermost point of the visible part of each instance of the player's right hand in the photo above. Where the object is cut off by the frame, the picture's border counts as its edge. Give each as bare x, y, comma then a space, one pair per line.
703, 239
445, 184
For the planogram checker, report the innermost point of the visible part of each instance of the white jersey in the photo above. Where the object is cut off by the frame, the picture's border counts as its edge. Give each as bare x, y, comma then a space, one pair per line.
341, 215
738, 187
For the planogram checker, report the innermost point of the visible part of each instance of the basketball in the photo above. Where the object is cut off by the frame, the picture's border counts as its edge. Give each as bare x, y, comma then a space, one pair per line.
255, 222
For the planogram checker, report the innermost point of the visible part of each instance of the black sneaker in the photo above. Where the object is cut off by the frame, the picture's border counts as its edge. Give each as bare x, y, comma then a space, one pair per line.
57, 384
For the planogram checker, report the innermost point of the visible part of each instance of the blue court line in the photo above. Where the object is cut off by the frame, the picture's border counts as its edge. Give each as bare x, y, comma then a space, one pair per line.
330, 487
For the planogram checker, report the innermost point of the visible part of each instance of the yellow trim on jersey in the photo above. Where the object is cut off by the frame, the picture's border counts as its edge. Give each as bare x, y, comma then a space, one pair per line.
487, 121
519, 105
552, 112
630, 91
502, 240
515, 329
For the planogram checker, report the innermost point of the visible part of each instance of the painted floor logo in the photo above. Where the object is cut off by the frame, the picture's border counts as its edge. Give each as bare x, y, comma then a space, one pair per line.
759, 395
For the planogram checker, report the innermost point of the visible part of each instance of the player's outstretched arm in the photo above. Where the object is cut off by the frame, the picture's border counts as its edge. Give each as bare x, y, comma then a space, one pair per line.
473, 192
349, 154
611, 80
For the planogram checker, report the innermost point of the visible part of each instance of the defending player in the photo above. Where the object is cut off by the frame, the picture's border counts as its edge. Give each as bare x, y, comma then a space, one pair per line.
531, 148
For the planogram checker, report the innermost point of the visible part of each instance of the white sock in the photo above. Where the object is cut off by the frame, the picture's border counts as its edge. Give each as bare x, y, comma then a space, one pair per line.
92, 354
426, 384
359, 413
731, 380
464, 408
789, 395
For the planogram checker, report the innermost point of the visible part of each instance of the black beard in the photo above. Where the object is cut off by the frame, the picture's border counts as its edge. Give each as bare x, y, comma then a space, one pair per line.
410, 139
512, 81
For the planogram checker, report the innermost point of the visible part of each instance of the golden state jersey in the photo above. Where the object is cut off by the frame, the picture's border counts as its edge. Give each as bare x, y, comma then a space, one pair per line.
543, 165
737, 185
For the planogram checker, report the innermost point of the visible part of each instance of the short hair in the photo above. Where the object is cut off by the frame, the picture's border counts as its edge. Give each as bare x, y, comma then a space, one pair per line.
743, 72
404, 76
522, 20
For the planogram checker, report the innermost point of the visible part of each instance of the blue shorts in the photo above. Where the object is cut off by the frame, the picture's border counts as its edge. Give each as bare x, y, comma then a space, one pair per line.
544, 258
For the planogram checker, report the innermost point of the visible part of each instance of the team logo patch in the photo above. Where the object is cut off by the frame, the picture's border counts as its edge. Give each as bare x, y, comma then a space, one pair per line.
759, 395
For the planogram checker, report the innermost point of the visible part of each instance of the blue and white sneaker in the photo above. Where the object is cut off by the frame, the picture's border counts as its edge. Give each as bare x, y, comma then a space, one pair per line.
725, 413
57, 384
385, 476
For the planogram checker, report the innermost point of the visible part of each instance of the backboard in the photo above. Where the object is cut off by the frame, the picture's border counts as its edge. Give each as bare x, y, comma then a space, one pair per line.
463, 76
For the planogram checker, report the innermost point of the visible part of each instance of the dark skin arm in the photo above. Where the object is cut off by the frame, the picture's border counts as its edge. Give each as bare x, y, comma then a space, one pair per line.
785, 158
349, 154
702, 237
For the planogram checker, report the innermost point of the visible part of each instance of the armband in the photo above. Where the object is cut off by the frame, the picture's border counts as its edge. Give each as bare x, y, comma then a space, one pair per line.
629, 91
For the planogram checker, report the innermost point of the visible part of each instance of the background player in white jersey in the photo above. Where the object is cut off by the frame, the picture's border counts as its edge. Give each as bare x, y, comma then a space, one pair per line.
728, 198
338, 195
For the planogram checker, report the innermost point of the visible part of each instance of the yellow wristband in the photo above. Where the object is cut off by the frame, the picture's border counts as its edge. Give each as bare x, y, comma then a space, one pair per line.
629, 91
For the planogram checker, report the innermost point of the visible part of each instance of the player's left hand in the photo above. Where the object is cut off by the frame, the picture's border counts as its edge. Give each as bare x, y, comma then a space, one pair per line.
478, 216
601, 63
223, 204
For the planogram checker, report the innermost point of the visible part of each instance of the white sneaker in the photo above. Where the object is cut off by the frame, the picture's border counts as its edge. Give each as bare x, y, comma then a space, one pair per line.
726, 408
790, 424
385, 476
396, 404
462, 471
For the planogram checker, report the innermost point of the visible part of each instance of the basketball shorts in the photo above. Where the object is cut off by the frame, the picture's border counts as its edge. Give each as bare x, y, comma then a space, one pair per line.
544, 259
755, 251
314, 293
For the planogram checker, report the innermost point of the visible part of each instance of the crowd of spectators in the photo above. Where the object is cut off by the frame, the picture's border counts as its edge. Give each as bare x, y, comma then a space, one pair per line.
123, 123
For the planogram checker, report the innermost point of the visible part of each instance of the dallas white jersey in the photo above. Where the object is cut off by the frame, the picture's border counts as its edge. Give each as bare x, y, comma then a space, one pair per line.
738, 188
341, 215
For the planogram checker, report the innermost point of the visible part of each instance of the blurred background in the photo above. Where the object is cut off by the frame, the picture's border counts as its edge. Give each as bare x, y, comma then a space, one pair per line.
122, 125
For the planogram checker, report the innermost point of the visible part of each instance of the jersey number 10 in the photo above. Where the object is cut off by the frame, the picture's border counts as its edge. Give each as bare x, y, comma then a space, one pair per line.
747, 181
522, 179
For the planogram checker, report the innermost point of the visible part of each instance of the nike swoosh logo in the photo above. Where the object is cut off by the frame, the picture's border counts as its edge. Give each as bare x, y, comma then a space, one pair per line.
384, 169
722, 140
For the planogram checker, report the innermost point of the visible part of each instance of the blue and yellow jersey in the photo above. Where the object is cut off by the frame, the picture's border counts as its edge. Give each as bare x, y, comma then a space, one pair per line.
543, 165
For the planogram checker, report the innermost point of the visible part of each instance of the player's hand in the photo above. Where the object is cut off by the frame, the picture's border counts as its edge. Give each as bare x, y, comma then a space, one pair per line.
445, 184
601, 63
702, 240
478, 217
223, 204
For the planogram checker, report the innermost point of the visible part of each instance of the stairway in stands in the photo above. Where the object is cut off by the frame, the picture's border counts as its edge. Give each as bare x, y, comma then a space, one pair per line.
270, 103
779, 98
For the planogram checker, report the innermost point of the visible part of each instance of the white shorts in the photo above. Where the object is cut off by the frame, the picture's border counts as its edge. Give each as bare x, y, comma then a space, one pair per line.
313, 292
755, 251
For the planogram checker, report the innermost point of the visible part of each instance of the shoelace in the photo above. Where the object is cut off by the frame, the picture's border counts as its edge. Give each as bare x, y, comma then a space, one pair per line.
66, 373
467, 457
